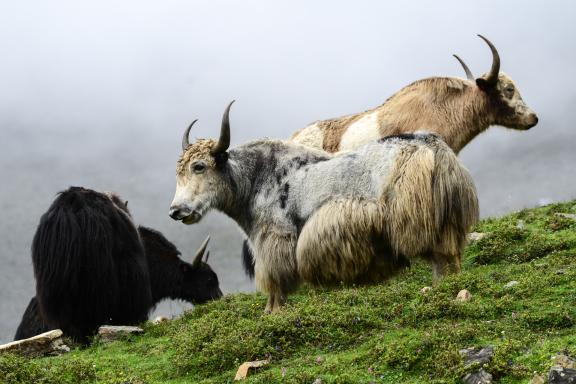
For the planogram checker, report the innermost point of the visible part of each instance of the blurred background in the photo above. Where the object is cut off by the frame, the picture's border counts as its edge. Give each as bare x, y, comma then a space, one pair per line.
98, 94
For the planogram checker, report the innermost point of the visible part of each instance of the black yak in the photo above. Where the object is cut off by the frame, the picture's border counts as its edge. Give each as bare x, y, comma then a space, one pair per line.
93, 267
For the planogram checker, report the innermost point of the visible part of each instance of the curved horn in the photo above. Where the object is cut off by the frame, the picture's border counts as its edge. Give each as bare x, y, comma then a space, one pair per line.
207, 256
492, 78
198, 257
224, 140
185, 142
469, 74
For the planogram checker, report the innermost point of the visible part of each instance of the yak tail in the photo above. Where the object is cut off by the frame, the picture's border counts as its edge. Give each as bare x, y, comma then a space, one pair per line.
431, 201
455, 201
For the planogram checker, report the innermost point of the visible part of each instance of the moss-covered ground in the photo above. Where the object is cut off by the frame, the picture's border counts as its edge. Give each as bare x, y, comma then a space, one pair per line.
390, 333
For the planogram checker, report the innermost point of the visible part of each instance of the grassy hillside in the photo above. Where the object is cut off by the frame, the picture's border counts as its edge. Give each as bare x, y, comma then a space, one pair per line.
391, 333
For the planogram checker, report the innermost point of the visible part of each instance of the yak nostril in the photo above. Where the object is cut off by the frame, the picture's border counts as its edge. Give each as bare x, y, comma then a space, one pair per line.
176, 214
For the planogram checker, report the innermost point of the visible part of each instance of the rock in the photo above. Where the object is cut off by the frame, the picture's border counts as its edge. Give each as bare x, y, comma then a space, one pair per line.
248, 367
563, 360
561, 375
520, 224
537, 379
425, 290
317, 381
473, 355
478, 377
115, 332
47, 343
567, 215
511, 284
475, 236
159, 320
464, 295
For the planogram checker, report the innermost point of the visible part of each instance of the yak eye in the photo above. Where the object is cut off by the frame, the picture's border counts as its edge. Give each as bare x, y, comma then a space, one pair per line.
198, 167
510, 89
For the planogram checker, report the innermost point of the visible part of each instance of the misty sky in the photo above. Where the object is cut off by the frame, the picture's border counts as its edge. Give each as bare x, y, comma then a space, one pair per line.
98, 94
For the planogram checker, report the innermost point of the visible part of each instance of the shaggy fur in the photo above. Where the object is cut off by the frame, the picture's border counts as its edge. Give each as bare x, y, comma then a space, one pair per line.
32, 323
456, 109
113, 282
354, 217
170, 277
89, 265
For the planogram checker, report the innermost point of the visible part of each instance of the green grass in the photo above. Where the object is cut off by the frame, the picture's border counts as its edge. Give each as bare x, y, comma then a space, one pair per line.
390, 333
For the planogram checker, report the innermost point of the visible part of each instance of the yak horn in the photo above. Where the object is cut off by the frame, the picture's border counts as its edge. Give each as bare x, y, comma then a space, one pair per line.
198, 257
207, 256
469, 74
185, 142
492, 78
224, 140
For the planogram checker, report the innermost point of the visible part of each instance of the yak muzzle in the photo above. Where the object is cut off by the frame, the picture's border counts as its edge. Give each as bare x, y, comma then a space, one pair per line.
186, 215
532, 120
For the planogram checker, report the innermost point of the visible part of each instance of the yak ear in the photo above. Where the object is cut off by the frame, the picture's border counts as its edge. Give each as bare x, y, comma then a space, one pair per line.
483, 84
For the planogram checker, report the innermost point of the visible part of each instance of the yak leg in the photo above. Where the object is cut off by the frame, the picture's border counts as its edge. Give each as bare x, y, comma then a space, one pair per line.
275, 302
446, 255
276, 299
275, 267
443, 264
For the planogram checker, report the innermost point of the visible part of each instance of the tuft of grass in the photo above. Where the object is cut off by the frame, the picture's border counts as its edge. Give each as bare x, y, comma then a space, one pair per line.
387, 333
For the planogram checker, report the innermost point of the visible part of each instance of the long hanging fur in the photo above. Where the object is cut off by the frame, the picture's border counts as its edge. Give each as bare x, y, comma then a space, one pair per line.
170, 277
430, 201
353, 217
89, 265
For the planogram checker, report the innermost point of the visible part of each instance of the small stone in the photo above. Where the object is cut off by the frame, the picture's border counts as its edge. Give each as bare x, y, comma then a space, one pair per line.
159, 320
478, 377
425, 290
464, 295
520, 224
561, 375
248, 367
475, 236
115, 332
537, 379
511, 284
47, 343
317, 381
475, 355
567, 215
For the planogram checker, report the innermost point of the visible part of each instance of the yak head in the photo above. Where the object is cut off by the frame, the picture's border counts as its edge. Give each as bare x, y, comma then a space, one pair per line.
505, 103
200, 176
200, 283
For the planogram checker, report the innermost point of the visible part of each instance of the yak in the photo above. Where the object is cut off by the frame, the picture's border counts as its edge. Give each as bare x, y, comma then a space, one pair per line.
322, 218
93, 266
456, 109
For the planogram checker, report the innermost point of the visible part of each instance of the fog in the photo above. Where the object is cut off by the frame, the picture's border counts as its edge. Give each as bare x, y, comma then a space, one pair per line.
98, 94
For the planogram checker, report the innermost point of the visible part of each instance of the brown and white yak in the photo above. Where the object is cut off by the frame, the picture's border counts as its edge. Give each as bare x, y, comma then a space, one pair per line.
456, 109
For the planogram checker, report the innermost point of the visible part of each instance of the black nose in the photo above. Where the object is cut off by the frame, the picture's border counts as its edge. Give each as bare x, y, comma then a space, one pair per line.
533, 120
178, 213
